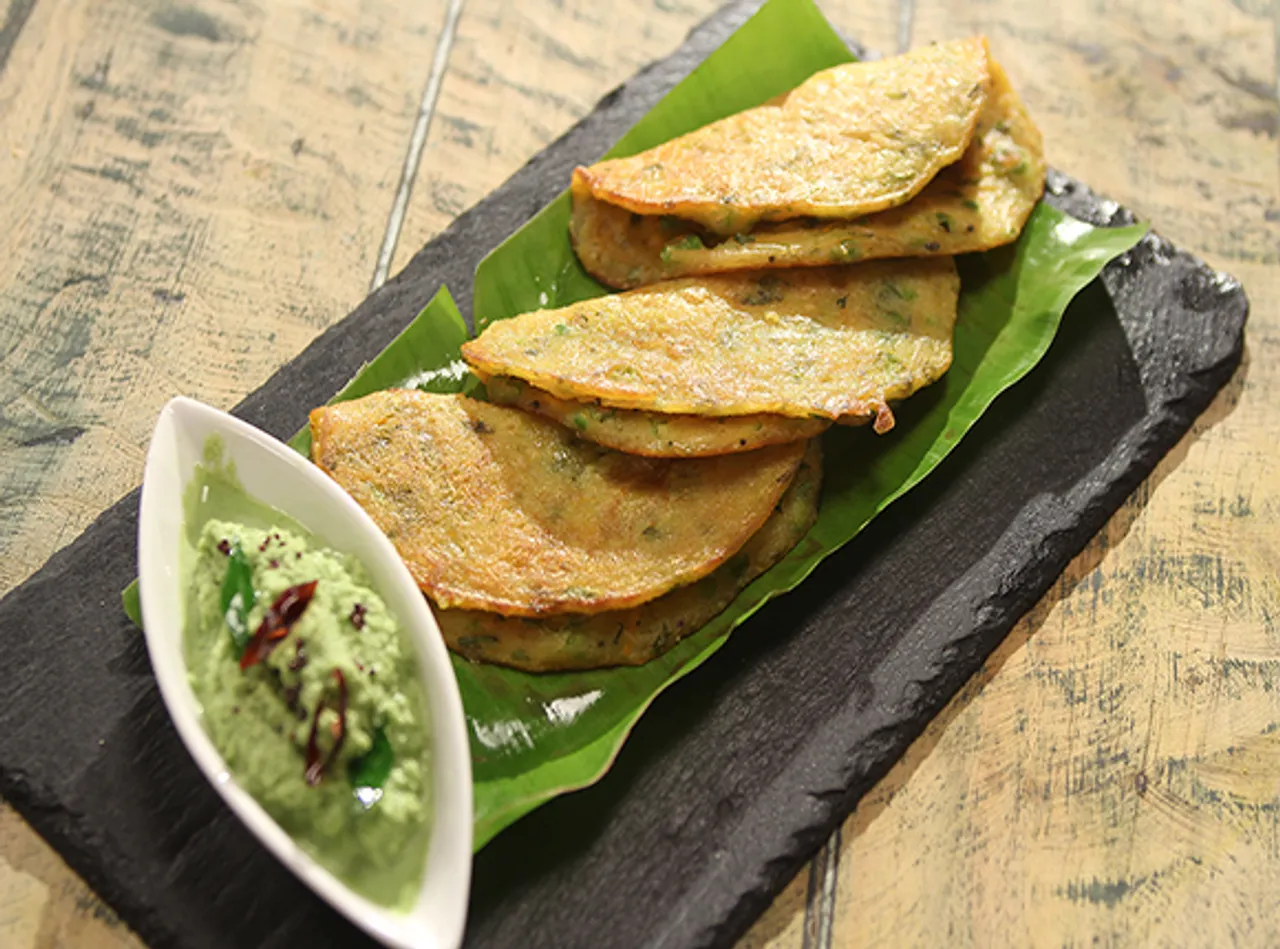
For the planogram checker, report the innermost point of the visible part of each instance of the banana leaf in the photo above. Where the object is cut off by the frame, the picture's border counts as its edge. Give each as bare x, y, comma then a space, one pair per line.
537, 736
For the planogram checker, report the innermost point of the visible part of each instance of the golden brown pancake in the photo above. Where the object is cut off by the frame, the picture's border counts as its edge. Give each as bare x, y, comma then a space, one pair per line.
850, 140
654, 434
637, 635
495, 509
980, 202
813, 342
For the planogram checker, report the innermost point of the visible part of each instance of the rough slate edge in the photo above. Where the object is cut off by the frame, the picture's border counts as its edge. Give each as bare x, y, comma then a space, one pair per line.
837, 765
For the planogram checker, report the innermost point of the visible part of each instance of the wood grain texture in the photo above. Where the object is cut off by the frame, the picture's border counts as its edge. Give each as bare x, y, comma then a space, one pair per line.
188, 195
190, 192
43, 904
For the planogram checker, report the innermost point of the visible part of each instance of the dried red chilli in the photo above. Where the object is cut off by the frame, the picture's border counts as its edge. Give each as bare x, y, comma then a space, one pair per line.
286, 610
315, 764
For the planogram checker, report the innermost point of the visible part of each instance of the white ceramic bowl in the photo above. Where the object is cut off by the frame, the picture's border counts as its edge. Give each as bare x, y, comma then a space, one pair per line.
274, 474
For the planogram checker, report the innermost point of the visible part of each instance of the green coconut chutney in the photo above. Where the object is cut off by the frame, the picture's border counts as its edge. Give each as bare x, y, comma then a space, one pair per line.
349, 784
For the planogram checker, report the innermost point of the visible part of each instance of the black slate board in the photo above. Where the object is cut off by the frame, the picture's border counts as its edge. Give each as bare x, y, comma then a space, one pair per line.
741, 770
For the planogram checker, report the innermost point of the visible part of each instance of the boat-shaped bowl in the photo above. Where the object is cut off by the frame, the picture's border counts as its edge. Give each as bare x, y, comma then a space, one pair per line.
273, 474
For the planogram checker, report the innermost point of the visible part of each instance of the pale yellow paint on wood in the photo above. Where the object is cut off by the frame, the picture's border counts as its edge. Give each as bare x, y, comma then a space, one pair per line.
188, 194
43, 905
23, 898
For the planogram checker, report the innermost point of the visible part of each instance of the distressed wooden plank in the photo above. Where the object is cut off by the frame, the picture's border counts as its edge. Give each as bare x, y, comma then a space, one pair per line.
188, 195
189, 192
874, 25
1112, 777
42, 904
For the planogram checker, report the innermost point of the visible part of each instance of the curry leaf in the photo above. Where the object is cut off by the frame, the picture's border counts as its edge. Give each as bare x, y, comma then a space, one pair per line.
237, 598
372, 769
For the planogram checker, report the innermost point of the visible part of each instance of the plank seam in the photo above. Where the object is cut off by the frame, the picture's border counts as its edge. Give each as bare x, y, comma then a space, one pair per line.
906, 23
417, 144
820, 902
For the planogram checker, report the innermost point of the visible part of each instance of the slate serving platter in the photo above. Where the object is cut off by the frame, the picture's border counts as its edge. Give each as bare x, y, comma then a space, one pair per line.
740, 771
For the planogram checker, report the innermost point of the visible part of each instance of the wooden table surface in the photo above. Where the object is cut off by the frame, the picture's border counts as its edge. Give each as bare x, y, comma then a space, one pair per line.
191, 190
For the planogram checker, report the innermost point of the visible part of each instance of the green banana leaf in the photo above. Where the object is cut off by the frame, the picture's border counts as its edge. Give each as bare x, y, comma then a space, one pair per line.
537, 736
